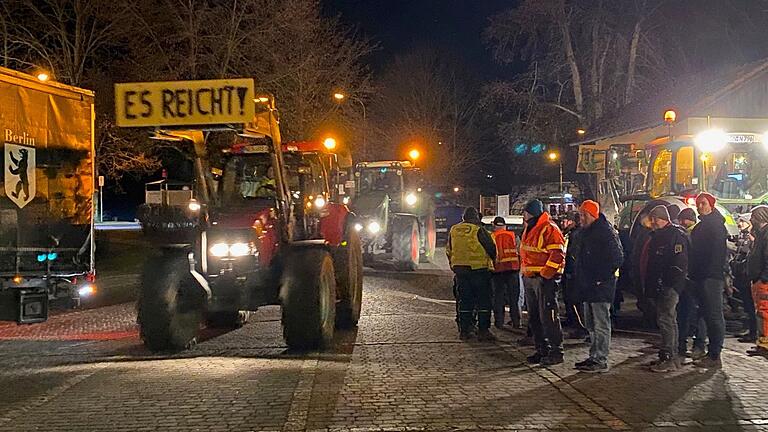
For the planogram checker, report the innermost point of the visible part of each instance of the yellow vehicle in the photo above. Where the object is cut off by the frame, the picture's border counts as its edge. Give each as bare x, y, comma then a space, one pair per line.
46, 195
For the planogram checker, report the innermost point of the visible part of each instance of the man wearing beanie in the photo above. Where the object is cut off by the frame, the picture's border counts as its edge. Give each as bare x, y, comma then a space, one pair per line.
599, 256
542, 256
687, 218
706, 270
757, 271
689, 316
665, 272
471, 253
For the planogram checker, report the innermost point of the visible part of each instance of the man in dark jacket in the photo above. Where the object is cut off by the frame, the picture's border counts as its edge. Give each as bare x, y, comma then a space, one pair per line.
598, 258
573, 320
757, 271
664, 273
706, 270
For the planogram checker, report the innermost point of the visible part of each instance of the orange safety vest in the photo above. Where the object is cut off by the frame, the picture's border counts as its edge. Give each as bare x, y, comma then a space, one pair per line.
506, 251
542, 249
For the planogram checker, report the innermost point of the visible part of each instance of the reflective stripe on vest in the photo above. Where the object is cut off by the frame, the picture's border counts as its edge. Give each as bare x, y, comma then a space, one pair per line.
466, 249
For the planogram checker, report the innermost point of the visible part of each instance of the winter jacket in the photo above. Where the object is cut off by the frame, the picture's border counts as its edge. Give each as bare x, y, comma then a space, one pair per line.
707, 257
507, 258
599, 256
757, 260
667, 264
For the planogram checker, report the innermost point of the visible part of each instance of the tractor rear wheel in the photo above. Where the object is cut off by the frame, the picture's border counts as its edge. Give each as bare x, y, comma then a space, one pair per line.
429, 237
170, 306
348, 262
405, 243
308, 295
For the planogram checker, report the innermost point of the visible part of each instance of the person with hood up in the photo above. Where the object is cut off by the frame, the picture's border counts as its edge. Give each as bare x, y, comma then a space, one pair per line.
471, 252
757, 271
599, 257
542, 257
706, 270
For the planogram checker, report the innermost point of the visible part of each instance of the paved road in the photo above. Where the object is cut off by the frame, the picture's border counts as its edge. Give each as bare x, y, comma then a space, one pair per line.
403, 369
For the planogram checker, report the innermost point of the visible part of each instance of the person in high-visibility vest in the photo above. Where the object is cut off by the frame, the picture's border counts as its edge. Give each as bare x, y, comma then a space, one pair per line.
542, 254
506, 275
471, 252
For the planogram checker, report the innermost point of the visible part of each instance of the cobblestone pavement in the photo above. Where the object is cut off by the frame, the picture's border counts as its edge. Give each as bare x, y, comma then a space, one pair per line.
402, 369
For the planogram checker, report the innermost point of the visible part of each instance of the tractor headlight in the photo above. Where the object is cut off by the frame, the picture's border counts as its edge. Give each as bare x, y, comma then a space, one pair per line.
320, 202
220, 250
86, 290
239, 249
411, 199
374, 227
358, 227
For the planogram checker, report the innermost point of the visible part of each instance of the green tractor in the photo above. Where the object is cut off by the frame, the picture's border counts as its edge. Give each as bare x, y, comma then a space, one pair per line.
395, 215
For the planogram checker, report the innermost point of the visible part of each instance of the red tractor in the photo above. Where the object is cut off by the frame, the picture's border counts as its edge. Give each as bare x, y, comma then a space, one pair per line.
262, 231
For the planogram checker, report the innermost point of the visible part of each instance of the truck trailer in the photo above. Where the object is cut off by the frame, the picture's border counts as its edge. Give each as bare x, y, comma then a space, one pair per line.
46, 197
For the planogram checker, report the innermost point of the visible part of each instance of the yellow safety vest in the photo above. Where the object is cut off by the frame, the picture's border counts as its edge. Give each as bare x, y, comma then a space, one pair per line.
466, 250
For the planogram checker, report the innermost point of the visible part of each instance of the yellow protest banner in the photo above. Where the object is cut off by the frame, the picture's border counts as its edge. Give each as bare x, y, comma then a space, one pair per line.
179, 103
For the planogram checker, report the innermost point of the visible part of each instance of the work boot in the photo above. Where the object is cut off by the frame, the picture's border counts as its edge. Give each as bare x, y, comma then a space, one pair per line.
584, 363
552, 359
594, 367
486, 336
757, 351
709, 363
535, 358
669, 364
698, 353
748, 338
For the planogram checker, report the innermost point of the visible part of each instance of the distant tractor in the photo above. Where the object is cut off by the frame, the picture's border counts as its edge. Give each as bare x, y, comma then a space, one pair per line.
395, 215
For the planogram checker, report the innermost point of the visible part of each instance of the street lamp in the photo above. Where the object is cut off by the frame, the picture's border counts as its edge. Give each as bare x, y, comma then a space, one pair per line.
414, 154
555, 156
340, 97
329, 143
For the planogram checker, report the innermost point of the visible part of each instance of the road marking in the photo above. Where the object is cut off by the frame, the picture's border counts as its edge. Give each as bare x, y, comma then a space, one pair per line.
299, 410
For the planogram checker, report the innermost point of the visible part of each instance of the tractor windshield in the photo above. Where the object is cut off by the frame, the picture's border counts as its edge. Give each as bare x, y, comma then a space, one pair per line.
380, 180
736, 173
247, 178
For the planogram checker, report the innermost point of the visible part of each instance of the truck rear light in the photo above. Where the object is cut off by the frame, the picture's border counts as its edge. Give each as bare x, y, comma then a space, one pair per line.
90, 277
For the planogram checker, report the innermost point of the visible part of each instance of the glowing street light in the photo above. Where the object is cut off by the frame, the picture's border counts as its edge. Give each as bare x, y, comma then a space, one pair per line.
329, 143
670, 116
456, 189
339, 96
43, 76
581, 131
414, 154
555, 156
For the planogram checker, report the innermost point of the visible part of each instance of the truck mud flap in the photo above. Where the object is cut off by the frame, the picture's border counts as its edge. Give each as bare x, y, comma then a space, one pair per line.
33, 307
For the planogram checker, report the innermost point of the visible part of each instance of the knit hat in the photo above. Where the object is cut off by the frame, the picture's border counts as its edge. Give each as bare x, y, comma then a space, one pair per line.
470, 215
687, 214
660, 212
499, 221
591, 207
759, 215
674, 212
707, 196
534, 207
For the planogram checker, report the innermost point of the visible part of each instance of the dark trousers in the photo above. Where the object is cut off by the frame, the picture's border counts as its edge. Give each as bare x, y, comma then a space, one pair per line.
748, 303
666, 317
689, 317
506, 291
543, 318
474, 295
709, 292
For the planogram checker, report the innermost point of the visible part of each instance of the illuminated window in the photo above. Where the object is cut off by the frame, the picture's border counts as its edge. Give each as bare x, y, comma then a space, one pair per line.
662, 173
684, 168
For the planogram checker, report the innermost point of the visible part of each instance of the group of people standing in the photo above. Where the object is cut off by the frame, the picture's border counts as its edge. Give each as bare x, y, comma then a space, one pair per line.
680, 265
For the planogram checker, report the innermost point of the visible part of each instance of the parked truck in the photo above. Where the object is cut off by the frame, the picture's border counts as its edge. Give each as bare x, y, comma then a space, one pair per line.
46, 198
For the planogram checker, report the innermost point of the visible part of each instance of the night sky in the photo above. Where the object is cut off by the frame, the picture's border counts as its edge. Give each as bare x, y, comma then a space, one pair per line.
397, 25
